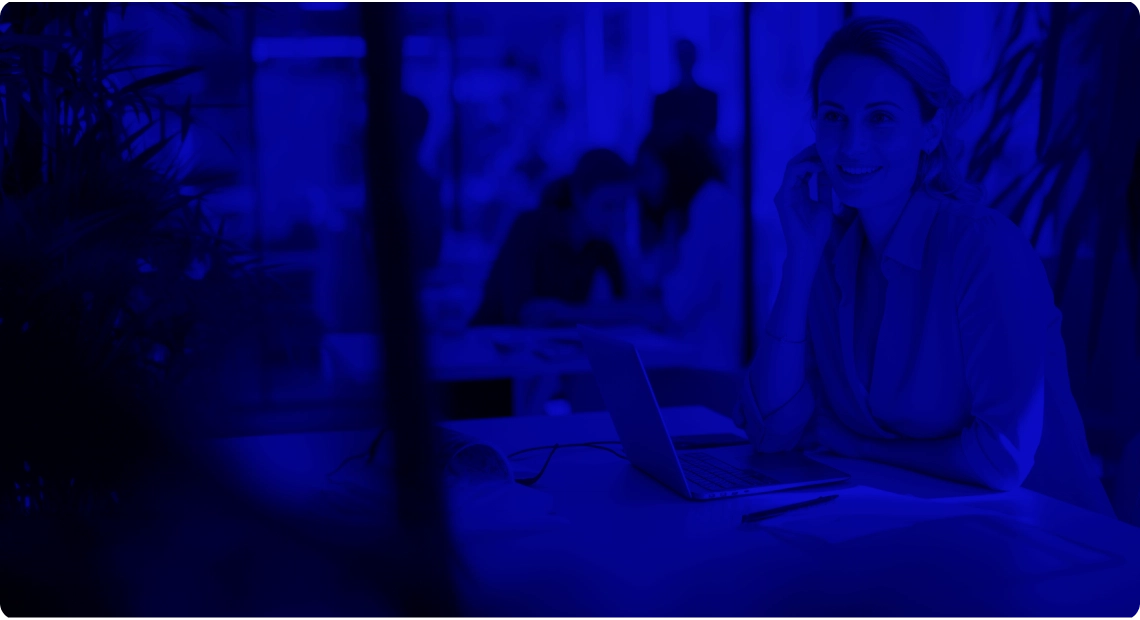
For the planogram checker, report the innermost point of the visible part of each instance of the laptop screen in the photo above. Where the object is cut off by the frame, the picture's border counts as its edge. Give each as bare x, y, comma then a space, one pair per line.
633, 408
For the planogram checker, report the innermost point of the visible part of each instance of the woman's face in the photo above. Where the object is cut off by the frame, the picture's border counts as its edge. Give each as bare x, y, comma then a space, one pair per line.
869, 131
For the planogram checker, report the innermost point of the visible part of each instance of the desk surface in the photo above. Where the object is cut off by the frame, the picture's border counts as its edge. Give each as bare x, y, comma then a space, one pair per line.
618, 543
485, 353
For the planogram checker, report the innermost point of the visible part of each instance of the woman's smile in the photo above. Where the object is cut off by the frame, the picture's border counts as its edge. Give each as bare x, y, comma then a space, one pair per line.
854, 175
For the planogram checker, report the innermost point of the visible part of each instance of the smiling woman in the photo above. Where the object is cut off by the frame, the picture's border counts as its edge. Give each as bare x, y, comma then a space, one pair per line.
917, 329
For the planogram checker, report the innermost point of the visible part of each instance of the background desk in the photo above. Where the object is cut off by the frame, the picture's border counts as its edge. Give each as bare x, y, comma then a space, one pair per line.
620, 544
513, 353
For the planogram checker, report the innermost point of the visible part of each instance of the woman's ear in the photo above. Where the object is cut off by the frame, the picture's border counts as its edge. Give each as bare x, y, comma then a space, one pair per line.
932, 132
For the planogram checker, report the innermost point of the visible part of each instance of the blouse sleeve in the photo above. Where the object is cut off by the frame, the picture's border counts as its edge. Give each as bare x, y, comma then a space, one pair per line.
778, 425
1005, 304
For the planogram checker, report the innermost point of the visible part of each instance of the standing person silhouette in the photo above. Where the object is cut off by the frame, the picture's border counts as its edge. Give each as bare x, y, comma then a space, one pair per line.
687, 107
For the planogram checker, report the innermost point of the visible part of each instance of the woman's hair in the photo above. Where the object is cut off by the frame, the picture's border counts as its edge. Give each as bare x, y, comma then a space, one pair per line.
599, 167
690, 162
903, 47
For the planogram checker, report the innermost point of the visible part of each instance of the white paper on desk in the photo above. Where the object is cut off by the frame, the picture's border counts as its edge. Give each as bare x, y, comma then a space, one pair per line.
906, 521
859, 512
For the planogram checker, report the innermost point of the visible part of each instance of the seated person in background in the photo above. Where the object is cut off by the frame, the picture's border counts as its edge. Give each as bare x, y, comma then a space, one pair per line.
692, 241
551, 269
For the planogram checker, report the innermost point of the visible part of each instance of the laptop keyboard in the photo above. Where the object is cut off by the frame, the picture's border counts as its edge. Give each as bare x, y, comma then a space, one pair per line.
717, 475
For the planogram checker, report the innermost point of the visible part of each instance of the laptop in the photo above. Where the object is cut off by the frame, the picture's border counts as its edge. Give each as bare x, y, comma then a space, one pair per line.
694, 474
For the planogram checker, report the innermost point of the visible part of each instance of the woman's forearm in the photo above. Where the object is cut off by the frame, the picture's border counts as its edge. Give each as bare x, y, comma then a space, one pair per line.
788, 320
943, 458
778, 373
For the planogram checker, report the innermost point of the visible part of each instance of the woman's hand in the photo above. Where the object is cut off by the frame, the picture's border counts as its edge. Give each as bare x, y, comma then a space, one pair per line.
806, 222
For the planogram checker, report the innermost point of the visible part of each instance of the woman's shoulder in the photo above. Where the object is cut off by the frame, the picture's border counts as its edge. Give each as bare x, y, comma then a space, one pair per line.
981, 239
974, 225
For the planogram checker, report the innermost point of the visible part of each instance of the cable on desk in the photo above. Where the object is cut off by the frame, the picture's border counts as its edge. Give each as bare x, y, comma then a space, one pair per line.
593, 444
601, 445
370, 453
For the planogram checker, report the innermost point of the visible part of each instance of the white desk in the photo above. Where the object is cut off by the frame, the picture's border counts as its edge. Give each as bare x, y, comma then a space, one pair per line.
894, 542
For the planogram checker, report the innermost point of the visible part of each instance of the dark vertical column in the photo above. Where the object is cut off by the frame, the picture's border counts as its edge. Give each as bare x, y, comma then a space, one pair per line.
250, 32
749, 301
423, 559
456, 136
848, 11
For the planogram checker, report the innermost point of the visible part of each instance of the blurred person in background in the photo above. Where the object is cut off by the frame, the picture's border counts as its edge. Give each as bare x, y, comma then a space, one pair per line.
568, 261
691, 242
687, 106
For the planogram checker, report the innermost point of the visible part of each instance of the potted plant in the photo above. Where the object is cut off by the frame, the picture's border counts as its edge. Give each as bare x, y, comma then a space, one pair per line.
1063, 61
117, 289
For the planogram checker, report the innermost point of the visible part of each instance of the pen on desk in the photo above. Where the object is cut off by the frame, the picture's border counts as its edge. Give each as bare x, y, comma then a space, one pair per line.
774, 512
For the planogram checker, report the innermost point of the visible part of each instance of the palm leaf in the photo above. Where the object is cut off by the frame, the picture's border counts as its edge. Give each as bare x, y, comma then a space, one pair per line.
159, 79
185, 118
116, 70
200, 20
1050, 53
84, 229
1018, 212
1052, 200
144, 157
129, 140
989, 148
74, 231
1071, 238
1010, 84
41, 42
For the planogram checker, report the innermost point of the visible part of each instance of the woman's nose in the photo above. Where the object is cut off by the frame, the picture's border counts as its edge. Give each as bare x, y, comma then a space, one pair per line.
853, 141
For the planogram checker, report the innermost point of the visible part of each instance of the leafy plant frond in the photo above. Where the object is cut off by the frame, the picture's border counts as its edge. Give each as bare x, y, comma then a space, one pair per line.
42, 42
93, 218
1107, 205
159, 79
196, 16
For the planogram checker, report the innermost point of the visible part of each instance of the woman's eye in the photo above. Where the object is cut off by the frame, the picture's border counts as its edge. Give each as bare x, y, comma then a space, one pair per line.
832, 117
881, 117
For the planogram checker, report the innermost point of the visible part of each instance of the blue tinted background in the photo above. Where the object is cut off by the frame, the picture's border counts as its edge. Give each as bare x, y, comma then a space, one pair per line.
515, 94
